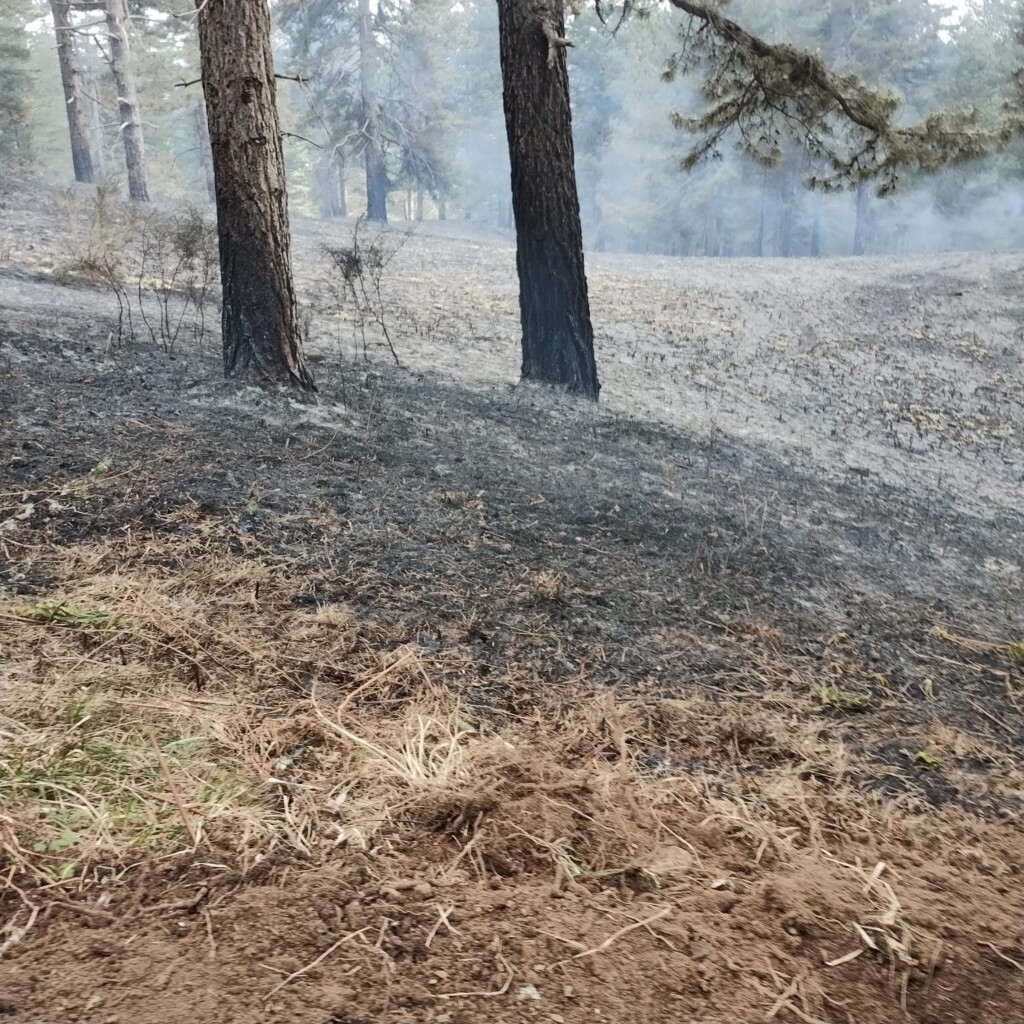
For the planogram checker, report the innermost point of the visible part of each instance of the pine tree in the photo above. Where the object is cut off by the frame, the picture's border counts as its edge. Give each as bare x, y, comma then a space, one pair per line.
15, 121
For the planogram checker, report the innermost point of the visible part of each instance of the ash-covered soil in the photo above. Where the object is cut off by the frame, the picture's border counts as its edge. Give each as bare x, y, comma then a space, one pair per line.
835, 448
803, 490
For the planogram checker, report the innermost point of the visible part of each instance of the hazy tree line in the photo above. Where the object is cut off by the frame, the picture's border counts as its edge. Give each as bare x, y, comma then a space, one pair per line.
400, 114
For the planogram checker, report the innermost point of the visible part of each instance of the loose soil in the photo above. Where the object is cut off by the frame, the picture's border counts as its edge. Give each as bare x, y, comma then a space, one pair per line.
439, 698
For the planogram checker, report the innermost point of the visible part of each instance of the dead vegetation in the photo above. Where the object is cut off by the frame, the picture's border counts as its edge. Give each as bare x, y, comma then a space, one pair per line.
198, 774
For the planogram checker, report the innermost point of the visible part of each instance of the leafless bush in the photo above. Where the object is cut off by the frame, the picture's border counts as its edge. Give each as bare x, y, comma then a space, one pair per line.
176, 270
160, 267
355, 285
98, 248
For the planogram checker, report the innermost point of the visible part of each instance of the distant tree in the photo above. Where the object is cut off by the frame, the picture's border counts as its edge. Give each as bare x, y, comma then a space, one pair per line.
74, 98
117, 51
15, 123
423, 109
369, 89
260, 324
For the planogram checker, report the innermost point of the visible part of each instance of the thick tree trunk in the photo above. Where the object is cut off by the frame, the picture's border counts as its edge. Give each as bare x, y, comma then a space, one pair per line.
74, 100
860, 220
376, 170
419, 203
127, 100
203, 146
442, 208
558, 337
260, 323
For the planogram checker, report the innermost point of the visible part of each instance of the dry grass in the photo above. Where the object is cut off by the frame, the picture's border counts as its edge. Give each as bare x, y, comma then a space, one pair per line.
165, 702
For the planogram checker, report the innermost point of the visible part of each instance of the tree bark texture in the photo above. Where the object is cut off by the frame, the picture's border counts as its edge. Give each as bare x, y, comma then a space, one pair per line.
74, 99
376, 170
558, 337
127, 100
260, 324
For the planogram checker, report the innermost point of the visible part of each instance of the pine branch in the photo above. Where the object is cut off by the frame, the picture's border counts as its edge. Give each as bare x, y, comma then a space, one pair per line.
760, 89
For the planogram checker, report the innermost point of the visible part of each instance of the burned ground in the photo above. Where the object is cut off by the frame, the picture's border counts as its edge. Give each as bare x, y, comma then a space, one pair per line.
736, 654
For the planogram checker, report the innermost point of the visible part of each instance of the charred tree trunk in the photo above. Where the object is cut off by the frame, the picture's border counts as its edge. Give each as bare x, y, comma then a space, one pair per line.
376, 170
74, 100
260, 323
203, 145
860, 220
127, 100
558, 337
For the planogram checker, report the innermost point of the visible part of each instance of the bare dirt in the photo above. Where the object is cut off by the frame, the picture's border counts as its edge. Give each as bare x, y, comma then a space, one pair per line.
439, 698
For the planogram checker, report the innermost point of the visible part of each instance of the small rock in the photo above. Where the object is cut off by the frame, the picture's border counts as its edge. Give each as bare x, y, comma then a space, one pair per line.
527, 992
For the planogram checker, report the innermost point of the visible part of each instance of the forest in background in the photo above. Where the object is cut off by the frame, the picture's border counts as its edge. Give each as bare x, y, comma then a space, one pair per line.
442, 132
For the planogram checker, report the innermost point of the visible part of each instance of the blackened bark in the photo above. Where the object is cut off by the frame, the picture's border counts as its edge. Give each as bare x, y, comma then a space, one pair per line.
127, 100
376, 170
260, 323
74, 99
558, 337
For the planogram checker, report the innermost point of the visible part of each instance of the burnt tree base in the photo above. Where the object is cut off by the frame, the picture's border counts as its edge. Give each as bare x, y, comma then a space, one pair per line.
558, 336
260, 323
